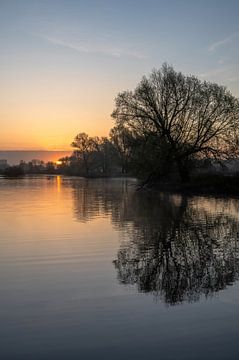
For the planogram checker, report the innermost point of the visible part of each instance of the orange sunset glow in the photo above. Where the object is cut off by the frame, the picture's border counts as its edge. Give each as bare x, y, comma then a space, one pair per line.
119, 180
61, 68
48, 119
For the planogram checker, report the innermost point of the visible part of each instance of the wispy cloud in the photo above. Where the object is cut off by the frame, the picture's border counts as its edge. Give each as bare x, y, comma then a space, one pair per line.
214, 72
88, 48
223, 41
225, 73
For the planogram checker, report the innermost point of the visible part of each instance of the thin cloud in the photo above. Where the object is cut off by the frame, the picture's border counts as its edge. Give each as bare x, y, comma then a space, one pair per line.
78, 48
222, 42
94, 49
214, 72
226, 73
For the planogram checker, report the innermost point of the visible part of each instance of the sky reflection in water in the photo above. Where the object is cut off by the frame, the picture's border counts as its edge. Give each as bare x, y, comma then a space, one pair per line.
77, 258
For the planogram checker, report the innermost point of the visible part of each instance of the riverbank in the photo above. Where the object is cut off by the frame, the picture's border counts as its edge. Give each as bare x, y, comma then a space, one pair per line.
200, 184
214, 184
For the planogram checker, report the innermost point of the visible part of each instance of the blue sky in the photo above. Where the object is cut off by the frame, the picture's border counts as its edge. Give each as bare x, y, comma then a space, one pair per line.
63, 62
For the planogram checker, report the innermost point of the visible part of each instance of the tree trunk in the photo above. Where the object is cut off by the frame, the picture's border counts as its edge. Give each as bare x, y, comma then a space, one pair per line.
183, 171
86, 165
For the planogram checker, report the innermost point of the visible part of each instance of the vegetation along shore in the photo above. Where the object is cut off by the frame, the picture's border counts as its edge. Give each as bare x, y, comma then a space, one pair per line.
172, 131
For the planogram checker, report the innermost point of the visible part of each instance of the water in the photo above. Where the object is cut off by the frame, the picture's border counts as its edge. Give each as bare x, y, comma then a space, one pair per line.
92, 269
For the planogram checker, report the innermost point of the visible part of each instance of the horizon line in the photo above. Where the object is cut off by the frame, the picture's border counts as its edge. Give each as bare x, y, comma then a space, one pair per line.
35, 150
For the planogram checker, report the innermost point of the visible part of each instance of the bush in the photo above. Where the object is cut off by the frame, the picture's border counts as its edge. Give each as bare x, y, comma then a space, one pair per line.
13, 171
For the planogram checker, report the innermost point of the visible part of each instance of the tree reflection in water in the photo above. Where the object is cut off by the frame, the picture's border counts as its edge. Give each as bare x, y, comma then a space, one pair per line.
177, 248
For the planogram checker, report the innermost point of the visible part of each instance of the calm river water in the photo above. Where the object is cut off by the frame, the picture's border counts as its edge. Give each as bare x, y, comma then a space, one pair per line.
93, 269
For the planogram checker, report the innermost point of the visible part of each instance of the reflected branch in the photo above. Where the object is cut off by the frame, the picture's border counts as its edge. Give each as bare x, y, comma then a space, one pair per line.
176, 247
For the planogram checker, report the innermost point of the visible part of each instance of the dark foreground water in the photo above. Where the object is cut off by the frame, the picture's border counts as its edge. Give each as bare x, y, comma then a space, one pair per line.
92, 269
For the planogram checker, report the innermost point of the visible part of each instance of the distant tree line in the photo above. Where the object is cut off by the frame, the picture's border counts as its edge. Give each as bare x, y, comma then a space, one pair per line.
91, 157
170, 125
34, 166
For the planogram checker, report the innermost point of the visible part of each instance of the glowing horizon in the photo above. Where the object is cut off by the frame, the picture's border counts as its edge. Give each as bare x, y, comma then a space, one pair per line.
62, 63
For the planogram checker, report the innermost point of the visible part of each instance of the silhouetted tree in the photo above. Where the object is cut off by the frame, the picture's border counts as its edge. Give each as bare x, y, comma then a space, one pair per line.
105, 154
13, 171
50, 167
190, 118
85, 147
122, 138
93, 155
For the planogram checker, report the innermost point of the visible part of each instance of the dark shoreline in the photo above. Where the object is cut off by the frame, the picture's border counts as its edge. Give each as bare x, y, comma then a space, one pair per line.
220, 185
215, 185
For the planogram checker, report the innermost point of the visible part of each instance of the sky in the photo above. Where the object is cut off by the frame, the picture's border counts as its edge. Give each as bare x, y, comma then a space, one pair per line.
63, 62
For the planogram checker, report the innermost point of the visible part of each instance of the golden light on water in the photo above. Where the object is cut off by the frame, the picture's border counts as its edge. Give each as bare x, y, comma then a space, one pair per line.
58, 182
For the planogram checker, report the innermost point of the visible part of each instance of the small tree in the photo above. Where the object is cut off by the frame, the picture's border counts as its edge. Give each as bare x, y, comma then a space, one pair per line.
85, 147
193, 119
104, 154
121, 137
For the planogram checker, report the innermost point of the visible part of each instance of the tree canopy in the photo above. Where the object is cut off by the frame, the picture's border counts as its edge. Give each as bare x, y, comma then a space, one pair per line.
190, 118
